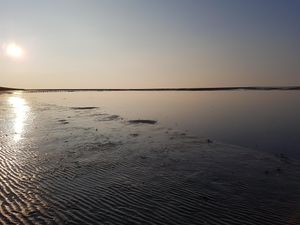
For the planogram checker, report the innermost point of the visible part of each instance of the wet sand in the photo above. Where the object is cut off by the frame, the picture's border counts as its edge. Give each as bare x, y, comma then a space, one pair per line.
81, 165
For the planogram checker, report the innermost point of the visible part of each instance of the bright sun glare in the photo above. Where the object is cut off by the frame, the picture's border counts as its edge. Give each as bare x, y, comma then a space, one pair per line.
14, 51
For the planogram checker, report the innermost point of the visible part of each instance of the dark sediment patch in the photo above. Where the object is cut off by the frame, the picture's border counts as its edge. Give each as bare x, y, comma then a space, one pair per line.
99, 114
110, 118
84, 108
209, 141
63, 121
97, 146
142, 121
10, 89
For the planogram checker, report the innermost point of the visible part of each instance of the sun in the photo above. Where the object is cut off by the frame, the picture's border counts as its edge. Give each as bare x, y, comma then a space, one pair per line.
14, 51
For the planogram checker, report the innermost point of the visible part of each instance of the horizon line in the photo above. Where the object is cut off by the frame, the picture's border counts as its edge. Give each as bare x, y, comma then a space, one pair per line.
225, 88
168, 89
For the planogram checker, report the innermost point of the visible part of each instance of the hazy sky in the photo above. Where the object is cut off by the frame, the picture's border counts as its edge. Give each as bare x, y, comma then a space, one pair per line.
150, 43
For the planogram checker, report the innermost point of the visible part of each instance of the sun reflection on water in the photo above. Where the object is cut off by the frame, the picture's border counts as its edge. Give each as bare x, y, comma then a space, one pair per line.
21, 110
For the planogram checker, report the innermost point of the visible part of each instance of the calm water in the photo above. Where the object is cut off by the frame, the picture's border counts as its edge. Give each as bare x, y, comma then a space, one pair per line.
264, 120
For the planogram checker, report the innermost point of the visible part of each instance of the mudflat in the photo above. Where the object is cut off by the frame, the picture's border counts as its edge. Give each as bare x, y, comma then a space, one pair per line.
81, 165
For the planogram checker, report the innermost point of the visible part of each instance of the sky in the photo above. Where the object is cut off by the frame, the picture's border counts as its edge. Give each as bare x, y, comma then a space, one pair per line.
149, 44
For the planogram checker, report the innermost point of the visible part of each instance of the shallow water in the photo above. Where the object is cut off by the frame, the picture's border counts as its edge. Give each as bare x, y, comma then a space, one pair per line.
264, 120
77, 158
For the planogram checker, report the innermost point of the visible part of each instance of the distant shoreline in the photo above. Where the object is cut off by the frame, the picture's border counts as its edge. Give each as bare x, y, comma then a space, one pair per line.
249, 88
172, 89
11, 89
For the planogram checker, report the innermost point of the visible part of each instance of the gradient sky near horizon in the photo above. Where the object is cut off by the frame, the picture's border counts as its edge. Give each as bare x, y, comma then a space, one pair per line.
145, 44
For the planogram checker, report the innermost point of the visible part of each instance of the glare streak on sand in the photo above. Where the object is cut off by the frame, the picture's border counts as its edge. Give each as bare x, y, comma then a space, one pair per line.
21, 110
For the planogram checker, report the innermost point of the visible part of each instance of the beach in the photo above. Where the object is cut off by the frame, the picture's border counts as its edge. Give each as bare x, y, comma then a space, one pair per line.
150, 112
80, 164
